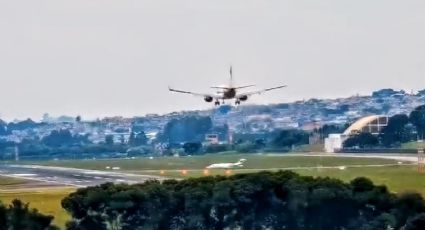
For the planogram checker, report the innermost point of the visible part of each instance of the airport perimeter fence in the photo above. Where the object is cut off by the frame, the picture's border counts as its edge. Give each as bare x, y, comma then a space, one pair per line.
379, 150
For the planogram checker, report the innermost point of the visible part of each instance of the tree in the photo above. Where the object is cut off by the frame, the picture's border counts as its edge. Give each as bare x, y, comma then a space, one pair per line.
192, 147
325, 130
362, 140
3, 128
421, 93
290, 137
186, 129
22, 125
264, 200
395, 131
109, 139
417, 118
19, 216
64, 137
416, 223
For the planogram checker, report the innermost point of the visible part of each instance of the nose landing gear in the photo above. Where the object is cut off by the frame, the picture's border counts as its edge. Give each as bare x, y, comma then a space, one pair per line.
217, 103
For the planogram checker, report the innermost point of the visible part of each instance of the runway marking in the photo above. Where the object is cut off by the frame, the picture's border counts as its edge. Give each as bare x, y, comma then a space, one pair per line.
24, 174
42, 180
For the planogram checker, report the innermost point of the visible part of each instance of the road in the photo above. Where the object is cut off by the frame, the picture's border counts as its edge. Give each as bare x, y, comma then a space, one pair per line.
71, 176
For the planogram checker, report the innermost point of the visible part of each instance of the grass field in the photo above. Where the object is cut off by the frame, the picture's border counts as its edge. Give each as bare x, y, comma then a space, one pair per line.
47, 201
200, 162
413, 145
398, 177
10, 183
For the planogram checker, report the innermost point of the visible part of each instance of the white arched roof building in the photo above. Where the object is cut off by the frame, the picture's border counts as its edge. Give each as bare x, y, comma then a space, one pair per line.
370, 124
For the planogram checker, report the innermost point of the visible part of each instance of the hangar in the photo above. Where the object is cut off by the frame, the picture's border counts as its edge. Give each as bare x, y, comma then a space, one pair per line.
371, 124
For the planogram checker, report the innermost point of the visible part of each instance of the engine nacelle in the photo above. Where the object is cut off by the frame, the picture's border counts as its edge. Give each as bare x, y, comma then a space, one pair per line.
243, 98
208, 99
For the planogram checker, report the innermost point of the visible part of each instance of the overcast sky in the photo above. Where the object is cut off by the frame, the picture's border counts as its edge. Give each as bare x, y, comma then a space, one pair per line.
117, 57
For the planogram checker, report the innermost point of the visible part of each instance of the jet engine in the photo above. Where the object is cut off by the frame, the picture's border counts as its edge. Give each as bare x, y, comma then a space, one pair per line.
208, 99
243, 98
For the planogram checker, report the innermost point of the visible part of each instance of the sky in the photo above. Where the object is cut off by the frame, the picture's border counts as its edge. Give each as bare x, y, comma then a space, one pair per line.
98, 58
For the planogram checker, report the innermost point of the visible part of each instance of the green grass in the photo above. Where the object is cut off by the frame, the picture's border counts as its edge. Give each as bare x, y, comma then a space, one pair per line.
398, 178
200, 162
413, 145
11, 182
316, 148
47, 201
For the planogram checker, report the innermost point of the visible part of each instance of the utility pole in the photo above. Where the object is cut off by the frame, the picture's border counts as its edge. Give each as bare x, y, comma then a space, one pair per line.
16, 153
421, 156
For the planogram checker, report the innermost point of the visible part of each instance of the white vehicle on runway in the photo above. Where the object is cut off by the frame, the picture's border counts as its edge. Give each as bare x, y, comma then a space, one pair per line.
227, 165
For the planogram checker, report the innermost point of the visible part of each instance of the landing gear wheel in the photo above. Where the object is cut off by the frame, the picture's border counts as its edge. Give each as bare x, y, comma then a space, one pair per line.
237, 102
217, 103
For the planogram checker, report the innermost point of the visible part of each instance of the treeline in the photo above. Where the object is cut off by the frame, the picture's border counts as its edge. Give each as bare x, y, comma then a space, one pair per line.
401, 128
265, 200
187, 136
62, 143
18, 216
183, 136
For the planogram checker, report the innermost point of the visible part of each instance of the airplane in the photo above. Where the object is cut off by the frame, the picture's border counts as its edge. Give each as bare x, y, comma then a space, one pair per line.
226, 165
228, 92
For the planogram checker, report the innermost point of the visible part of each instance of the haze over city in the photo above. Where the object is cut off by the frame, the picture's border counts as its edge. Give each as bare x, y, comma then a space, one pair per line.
100, 58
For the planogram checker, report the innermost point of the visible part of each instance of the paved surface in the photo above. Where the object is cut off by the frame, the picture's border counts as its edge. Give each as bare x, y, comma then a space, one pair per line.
71, 176
83, 178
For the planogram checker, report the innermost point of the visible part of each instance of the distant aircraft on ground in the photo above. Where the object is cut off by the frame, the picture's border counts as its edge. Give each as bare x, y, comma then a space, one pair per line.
228, 92
227, 165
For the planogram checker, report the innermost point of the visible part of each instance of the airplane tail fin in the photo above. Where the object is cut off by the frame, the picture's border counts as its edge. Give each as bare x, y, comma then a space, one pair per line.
232, 83
241, 161
231, 77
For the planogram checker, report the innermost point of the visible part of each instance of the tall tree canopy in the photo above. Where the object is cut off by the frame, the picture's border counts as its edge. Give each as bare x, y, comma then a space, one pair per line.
362, 140
417, 118
186, 129
395, 131
290, 137
63, 137
265, 200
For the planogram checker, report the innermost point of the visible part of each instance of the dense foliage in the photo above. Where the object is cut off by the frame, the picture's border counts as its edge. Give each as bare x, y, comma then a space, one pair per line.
361, 140
18, 216
265, 200
290, 137
401, 129
396, 132
417, 117
191, 128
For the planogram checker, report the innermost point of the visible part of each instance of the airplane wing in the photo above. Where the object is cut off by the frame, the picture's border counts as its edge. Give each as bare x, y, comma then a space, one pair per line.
259, 91
196, 94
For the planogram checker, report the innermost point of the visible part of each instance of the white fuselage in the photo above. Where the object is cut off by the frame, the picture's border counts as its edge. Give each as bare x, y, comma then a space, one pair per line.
225, 165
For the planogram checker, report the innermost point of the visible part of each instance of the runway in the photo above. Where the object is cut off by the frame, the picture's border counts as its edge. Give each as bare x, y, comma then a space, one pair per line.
71, 176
